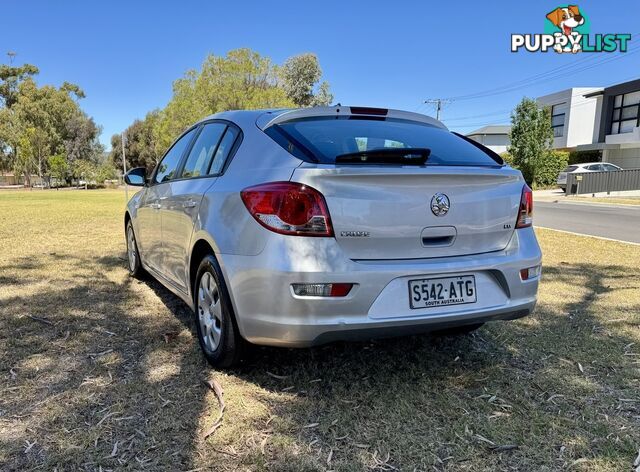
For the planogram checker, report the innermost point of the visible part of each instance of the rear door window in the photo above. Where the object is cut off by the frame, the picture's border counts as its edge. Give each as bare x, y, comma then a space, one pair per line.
224, 148
321, 139
202, 151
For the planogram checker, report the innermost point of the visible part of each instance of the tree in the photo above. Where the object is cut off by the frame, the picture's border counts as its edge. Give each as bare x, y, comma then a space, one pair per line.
240, 80
531, 136
24, 162
106, 171
140, 144
324, 97
80, 138
300, 74
84, 170
38, 122
243, 79
10, 79
58, 167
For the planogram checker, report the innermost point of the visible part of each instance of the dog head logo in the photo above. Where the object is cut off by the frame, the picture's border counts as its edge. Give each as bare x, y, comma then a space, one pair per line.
565, 19
567, 24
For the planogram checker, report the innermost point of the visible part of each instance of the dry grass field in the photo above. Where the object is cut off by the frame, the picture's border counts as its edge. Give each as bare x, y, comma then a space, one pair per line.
102, 372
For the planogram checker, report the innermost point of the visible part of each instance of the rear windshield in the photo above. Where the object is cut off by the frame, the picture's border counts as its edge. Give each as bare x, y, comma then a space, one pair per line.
570, 168
321, 139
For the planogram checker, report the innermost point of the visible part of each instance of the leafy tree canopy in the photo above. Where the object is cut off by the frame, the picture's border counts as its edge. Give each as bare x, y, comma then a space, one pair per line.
243, 79
300, 74
37, 123
10, 79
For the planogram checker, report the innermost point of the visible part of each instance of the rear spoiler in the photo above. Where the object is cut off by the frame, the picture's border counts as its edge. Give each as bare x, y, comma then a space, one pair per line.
281, 116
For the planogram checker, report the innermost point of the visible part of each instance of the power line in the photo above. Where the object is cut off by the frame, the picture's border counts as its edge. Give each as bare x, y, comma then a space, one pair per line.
553, 74
462, 118
506, 113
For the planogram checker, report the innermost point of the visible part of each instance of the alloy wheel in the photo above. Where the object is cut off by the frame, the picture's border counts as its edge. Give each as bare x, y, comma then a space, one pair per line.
131, 249
209, 311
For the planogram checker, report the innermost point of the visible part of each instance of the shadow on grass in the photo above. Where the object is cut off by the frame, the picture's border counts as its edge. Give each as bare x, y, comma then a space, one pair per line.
109, 381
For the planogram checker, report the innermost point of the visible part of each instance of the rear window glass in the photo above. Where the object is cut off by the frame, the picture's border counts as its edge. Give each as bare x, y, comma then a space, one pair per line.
321, 139
570, 168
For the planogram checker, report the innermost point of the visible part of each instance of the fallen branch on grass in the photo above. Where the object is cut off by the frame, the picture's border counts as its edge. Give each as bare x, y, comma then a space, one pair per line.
504, 447
217, 389
41, 320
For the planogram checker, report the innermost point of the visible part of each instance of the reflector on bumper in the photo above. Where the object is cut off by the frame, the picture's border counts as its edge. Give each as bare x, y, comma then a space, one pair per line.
322, 290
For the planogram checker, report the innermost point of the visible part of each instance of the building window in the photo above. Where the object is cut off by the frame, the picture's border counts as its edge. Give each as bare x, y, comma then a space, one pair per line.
625, 113
557, 119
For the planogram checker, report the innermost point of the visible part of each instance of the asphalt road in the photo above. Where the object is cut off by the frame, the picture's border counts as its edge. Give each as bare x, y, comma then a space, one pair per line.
607, 221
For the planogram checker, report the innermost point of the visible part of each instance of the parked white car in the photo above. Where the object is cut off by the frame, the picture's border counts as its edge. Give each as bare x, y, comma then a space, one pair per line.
585, 167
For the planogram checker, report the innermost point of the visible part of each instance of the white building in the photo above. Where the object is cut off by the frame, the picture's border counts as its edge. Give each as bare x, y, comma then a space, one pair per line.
495, 137
575, 116
618, 124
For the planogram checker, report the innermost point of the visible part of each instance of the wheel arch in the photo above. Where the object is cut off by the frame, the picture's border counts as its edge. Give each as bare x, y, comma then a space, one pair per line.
201, 248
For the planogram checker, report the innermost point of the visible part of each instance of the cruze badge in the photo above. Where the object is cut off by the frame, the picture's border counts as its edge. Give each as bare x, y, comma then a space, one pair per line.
440, 204
355, 234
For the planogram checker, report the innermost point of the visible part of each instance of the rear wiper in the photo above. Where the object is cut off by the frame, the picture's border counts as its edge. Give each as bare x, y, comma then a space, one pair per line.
401, 156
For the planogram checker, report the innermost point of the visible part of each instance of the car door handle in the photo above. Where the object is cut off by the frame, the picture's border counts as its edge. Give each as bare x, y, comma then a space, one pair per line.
189, 204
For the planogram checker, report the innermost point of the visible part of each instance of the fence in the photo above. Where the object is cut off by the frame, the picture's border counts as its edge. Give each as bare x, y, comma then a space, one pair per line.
595, 182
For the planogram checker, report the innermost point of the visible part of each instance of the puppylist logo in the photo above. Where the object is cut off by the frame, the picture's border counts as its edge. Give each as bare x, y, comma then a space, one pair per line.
566, 29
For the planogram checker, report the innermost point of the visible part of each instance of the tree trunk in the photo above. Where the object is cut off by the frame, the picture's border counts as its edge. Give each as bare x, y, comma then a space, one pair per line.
40, 169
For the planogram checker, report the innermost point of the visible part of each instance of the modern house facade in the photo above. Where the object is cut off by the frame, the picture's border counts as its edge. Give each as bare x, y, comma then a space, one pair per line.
495, 137
618, 130
575, 116
601, 119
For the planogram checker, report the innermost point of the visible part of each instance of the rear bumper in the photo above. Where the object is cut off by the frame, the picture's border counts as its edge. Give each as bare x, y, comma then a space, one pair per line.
269, 313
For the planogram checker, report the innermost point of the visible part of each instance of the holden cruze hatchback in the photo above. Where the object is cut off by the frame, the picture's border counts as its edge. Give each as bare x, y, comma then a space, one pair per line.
301, 227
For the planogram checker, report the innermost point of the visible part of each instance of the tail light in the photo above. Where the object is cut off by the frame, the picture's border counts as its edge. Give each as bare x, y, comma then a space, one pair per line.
289, 208
525, 212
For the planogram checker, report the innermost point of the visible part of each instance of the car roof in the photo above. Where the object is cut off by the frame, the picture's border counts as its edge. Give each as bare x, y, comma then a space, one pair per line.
267, 117
583, 164
281, 116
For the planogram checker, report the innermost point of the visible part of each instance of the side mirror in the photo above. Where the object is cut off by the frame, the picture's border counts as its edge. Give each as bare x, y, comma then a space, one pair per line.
136, 177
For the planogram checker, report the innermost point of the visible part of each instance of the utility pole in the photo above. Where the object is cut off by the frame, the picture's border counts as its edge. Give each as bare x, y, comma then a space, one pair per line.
438, 102
12, 56
124, 168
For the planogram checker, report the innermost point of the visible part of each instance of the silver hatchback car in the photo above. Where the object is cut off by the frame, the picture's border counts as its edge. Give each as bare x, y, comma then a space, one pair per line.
301, 227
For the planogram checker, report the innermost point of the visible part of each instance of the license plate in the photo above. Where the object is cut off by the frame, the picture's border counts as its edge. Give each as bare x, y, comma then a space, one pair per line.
445, 291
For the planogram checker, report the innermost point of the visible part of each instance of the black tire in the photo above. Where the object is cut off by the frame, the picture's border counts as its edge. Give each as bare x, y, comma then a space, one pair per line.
133, 257
230, 346
458, 330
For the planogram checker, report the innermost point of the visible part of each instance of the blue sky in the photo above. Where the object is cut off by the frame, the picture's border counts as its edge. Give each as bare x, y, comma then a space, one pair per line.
125, 55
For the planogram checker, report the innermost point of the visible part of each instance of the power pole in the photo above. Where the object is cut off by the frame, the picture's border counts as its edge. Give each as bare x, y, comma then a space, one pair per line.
124, 168
438, 102
12, 56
